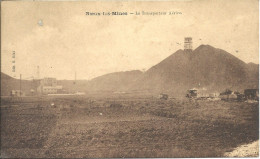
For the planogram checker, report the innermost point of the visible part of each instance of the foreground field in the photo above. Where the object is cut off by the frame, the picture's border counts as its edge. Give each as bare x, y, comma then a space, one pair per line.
76, 127
247, 150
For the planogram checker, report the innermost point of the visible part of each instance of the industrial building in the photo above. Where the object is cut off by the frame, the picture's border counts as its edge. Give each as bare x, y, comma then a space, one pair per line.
17, 93
49, 86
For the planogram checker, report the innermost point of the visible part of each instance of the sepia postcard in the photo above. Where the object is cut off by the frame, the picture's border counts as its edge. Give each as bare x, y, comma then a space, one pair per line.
129, 79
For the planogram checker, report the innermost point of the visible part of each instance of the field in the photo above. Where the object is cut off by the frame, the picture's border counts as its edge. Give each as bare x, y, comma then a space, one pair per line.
76, 127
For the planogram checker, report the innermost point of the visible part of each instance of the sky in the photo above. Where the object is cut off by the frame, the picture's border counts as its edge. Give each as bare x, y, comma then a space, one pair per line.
61, 39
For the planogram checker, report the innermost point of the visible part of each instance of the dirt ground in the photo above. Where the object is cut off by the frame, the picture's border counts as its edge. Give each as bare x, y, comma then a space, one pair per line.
247, 150
76, 127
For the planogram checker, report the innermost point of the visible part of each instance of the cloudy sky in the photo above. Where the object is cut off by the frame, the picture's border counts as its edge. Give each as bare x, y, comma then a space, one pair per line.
60, 39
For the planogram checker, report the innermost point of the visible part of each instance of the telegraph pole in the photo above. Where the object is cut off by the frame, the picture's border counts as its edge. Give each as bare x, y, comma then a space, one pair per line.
38, 72
20, 85
75, 76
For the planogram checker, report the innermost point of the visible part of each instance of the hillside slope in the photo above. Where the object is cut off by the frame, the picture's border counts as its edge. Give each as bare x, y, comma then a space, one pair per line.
118, 81
205, 67
9, 83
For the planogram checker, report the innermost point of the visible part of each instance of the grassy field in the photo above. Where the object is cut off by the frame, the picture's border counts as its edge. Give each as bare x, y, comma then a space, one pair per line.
76, 127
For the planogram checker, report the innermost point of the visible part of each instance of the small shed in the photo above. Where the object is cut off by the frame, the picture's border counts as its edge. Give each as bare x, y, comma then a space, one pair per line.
252, 94
228, 95
192, 93
17, 93
163, 96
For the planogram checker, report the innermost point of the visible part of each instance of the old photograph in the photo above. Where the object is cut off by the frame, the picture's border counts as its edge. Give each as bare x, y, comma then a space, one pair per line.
129, 79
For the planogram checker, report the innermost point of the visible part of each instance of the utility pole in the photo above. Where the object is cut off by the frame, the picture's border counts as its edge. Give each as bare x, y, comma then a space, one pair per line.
20, 85
33, 86
38, 72
75, 76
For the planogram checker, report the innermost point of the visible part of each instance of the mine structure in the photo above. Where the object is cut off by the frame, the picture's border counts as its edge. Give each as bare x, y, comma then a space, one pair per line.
188, 44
